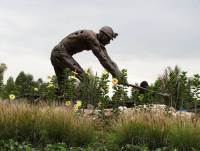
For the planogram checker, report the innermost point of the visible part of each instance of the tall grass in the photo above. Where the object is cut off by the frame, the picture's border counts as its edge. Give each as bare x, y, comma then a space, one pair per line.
185, 135
157, 131
43, 124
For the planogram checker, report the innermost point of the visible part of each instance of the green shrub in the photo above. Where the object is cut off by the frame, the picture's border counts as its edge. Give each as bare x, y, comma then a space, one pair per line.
10, 145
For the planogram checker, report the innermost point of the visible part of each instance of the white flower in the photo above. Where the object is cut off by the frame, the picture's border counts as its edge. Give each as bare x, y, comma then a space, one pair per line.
35, 89
105, 73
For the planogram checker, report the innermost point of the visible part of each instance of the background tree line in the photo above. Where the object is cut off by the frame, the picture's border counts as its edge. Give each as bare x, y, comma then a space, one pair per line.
173, 81
23, 84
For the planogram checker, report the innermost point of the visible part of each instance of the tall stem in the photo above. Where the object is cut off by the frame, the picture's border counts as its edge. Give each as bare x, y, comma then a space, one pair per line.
195, 110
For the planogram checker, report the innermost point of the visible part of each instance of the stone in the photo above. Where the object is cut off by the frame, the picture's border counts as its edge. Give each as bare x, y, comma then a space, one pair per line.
122, 107
90, 107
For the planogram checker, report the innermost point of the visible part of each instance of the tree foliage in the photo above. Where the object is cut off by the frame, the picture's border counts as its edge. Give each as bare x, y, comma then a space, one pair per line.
176, 83
3, 68
25, 82
9, 88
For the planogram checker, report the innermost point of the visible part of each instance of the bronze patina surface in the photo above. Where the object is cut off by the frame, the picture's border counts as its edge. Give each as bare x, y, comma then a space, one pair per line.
78, 41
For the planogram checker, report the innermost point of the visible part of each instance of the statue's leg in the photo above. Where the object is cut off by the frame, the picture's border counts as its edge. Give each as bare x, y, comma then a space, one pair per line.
61, 60
59, 73
67, 63
70, 62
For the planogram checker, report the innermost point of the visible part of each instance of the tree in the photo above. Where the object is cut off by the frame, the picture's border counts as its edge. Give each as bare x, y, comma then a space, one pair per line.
42, 86
1, 84
25, 82
9, 88
22, 83
176, 83
3, 68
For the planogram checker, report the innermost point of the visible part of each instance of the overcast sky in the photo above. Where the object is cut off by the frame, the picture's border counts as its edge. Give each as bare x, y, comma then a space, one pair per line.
153, 34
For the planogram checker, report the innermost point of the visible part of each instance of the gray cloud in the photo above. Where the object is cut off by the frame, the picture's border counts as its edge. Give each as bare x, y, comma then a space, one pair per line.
152, 34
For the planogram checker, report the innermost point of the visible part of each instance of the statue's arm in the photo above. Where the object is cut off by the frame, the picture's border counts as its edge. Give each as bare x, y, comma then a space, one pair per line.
113, 63
121, 79
106, 61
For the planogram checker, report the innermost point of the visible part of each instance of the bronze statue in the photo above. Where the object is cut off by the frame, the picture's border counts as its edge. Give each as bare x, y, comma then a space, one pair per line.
61, 55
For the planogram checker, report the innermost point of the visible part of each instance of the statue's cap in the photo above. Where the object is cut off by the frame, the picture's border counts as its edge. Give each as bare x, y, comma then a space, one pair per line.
109, 32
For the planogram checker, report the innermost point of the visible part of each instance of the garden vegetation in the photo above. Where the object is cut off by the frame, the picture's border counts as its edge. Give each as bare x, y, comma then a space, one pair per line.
57, 122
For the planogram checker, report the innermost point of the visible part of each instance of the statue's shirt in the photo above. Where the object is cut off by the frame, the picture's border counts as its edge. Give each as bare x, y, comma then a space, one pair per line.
80, 40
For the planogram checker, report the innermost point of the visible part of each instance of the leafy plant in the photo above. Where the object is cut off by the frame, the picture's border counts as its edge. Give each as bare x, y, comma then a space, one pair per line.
68, 85
91, 86
50, 92
102, 105
120, 92
196, 90
57, 146
12, 145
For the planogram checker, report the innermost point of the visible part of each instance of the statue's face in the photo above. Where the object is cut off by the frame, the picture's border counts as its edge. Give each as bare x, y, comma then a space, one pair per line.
104, 39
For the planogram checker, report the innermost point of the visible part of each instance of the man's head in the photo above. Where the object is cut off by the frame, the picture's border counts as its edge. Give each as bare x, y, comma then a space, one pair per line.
144, 84
106, 34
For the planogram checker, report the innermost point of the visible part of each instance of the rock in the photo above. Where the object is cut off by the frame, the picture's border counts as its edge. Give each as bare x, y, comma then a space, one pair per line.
159, 106
184, 114
156, 109
89, 112
122, 107
90, 107
109, 114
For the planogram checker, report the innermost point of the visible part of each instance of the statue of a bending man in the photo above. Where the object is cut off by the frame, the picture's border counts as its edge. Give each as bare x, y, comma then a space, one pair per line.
61, 55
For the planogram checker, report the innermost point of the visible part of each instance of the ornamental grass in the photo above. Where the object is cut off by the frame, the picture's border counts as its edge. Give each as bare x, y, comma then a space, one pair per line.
44, 124
157, 131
